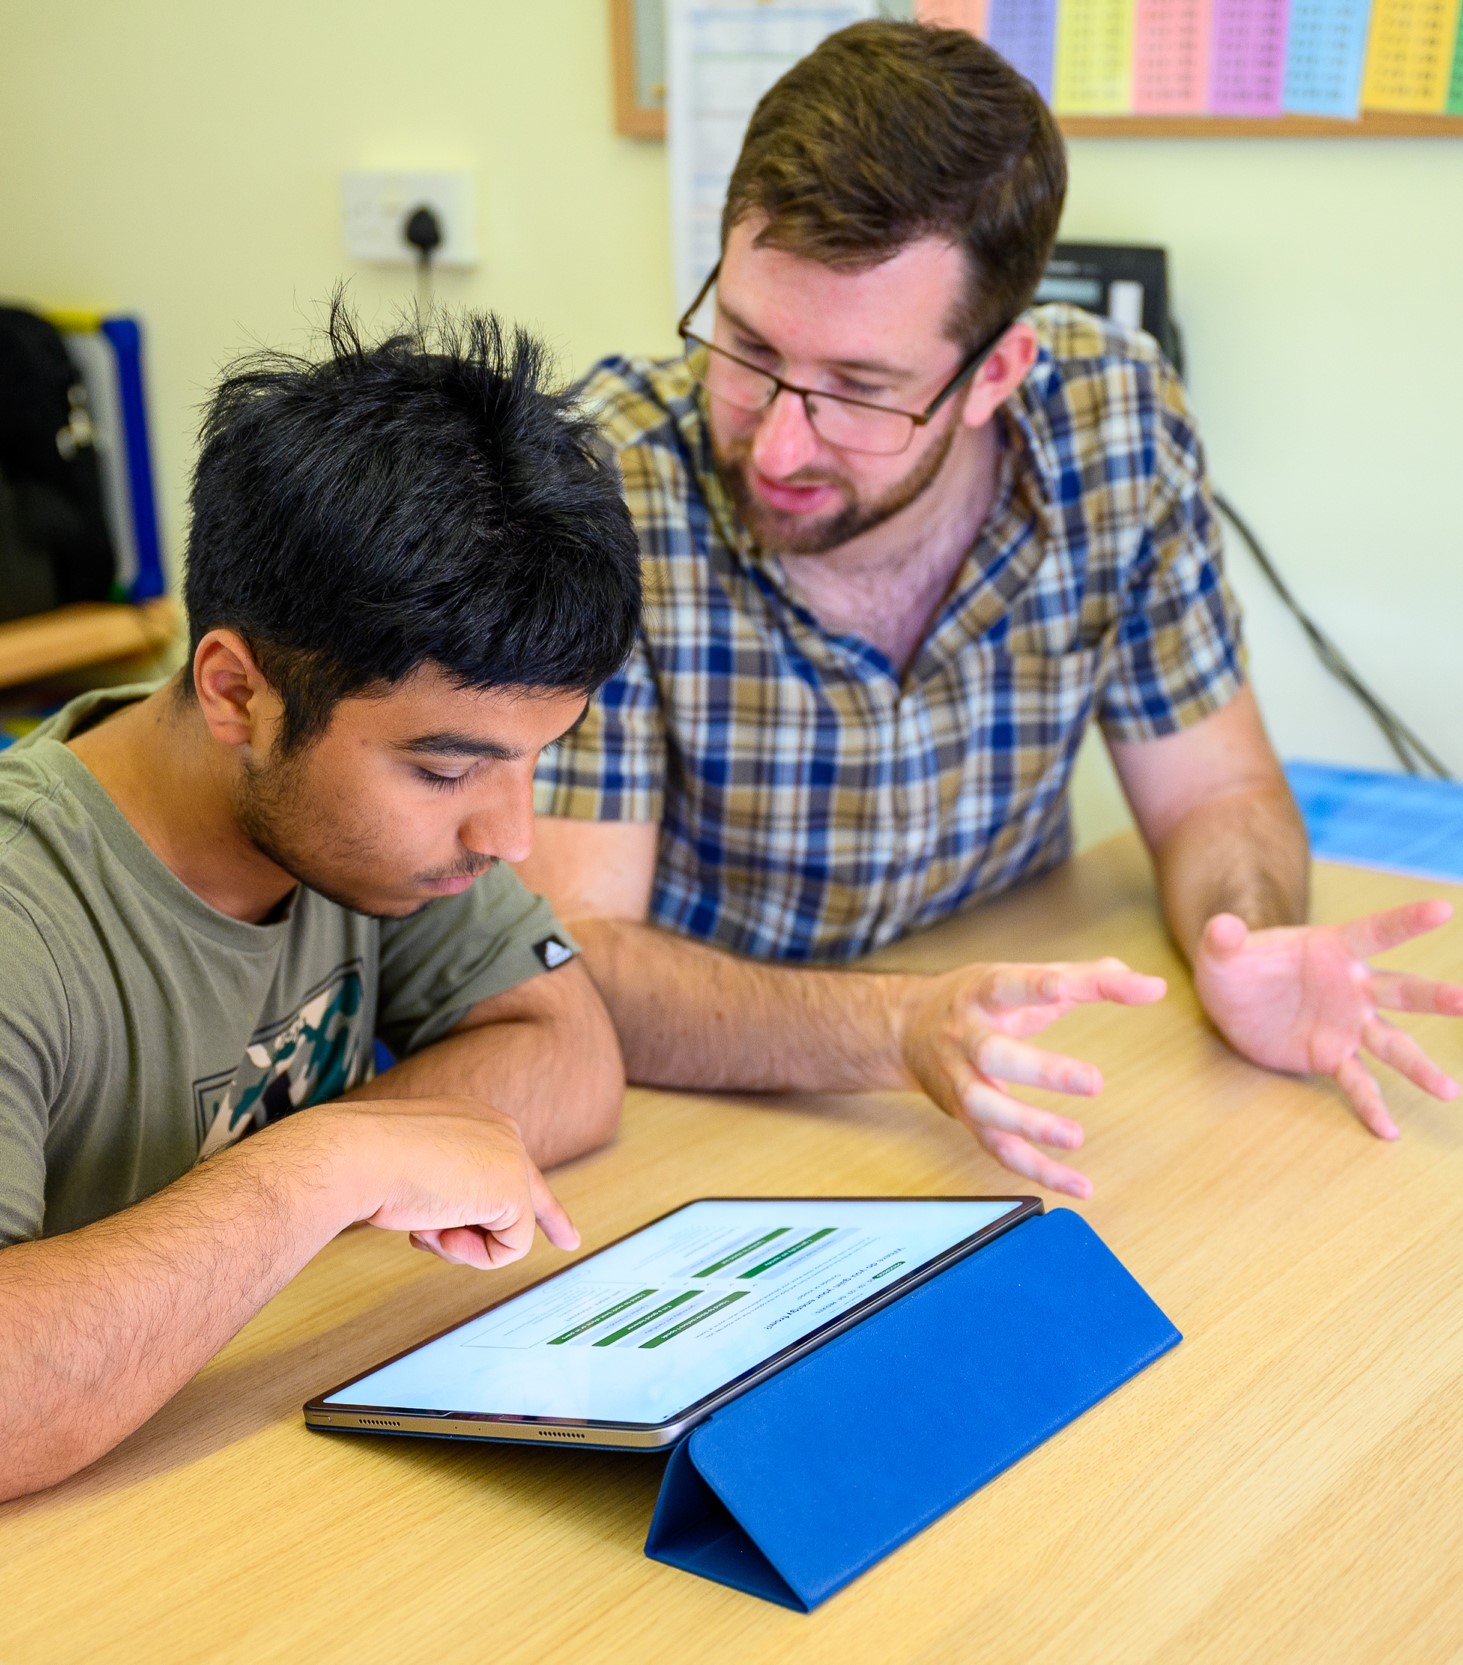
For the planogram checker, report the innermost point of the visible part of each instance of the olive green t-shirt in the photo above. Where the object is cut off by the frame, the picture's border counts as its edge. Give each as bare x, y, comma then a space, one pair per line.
140, 1029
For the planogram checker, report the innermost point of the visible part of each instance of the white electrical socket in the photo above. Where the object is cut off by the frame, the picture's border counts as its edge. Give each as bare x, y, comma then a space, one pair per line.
377, 206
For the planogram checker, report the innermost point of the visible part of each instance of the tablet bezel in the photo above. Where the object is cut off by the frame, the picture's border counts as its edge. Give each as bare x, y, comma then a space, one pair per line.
639, 1436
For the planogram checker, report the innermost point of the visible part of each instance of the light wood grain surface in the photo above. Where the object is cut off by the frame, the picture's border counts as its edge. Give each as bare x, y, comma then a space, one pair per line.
1287, 1485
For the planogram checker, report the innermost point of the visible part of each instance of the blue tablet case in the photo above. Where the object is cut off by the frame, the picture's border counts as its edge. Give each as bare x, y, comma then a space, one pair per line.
802, 1483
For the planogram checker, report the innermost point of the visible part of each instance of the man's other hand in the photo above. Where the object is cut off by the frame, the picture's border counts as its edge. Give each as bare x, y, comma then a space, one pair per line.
1302, 999
963, 1042
454, 1174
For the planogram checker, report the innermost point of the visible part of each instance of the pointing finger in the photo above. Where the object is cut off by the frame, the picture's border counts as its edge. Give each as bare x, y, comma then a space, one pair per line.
1374, 933
1365, 1096
550, 1212
1402, 992
1396, 1047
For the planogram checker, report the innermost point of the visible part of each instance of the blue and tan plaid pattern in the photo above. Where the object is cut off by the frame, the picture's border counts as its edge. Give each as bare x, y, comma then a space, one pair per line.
814, 805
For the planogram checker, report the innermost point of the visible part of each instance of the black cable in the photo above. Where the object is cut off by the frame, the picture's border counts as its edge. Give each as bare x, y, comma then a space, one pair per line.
423, 231
1405, 744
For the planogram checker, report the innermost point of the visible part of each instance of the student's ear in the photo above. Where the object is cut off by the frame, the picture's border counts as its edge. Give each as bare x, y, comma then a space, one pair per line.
1001, 374
237, 703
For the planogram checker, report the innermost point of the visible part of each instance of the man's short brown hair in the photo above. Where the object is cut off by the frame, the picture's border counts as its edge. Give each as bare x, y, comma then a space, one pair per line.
888, 132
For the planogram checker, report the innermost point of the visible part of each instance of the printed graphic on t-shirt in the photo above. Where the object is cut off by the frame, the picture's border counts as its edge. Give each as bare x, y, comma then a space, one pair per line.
311, 1056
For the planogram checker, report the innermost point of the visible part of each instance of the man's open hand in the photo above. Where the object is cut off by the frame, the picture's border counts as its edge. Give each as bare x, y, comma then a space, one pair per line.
962, 1040
1302, 999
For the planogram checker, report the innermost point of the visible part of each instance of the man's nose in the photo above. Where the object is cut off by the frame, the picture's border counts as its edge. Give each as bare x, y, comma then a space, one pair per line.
784, 441
502, 827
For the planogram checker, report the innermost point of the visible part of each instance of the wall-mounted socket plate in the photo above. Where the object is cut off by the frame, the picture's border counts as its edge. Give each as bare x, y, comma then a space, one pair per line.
377, 206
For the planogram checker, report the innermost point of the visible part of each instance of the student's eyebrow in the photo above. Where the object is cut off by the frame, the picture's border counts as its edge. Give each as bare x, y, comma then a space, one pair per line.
870, 366
449, 743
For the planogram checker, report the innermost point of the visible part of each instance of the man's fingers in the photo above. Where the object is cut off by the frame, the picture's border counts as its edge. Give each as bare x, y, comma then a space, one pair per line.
1031, 1066
1010, 987
1224, 936
1400, 991
1111, 980
464, 1246
1365, 1096
1013, 1152
1007, 988
550, 1212
1377, 932
1396, 1047
983, 1104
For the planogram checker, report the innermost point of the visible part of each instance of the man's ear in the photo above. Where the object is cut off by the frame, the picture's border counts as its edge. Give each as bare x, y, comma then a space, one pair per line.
1001, 374
237, 703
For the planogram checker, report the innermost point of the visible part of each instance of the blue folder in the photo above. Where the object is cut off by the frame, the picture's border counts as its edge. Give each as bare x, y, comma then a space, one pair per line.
804, 1482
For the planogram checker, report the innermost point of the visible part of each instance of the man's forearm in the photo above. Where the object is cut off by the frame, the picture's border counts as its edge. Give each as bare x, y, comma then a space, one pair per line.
548, 1057
693, 1016
1245, 854
103, 1325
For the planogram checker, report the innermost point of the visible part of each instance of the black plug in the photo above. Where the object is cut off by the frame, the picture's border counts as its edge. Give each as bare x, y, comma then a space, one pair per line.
424, 232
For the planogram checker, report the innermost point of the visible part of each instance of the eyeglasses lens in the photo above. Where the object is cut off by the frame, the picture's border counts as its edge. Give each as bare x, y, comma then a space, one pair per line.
848, 427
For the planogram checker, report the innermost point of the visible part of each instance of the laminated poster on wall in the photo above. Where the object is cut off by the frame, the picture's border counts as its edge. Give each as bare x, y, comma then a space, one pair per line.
720, 59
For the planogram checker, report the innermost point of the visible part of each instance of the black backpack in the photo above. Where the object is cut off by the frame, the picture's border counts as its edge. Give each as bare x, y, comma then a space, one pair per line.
54, 543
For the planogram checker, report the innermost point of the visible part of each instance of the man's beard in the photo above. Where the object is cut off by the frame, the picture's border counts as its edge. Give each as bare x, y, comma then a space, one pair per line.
786, 534
276, 812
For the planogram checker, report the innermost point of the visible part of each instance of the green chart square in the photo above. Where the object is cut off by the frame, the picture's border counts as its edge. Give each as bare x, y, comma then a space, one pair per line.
1455, 85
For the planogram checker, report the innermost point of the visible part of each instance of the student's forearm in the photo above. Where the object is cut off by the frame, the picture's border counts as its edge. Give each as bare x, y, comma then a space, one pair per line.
1245, 854
101, 1326
554, 1067
693, 1016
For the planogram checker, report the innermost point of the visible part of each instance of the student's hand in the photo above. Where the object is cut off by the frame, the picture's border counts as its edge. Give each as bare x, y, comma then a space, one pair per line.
1302, 999
962, 1041
453, 1173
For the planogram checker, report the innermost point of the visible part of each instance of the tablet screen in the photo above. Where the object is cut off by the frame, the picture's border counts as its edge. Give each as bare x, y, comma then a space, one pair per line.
651, 1325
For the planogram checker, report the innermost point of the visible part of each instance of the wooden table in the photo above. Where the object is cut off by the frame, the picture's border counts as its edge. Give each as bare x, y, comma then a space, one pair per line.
1287, 1485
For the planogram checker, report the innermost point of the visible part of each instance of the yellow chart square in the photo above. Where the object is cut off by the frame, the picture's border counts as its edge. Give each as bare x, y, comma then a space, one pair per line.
1409, 55
1094, 67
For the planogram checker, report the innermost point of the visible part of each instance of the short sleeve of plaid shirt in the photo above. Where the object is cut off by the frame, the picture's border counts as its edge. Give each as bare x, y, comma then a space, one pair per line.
612, 766
1178, 656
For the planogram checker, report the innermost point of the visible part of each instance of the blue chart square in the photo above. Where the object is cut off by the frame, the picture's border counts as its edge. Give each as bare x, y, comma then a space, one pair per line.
1398, 822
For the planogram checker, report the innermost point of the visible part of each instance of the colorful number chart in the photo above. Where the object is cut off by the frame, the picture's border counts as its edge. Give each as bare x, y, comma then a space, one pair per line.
1231, 60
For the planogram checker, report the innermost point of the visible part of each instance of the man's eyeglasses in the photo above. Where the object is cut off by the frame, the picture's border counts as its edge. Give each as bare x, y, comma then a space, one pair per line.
845, 423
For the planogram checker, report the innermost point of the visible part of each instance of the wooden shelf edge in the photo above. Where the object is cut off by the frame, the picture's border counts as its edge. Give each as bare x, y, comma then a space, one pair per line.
1375, 124
1378, 124
86, 633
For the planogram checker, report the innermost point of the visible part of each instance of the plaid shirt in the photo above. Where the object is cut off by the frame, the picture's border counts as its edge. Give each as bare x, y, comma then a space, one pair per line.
812, 803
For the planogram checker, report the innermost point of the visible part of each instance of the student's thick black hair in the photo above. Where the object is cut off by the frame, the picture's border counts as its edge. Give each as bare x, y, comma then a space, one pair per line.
426, 500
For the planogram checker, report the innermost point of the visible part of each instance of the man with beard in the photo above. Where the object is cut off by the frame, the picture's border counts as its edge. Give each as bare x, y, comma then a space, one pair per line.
408, 567
903, 540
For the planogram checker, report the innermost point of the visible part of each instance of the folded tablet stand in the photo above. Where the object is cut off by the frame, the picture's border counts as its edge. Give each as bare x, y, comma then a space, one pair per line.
801, 1484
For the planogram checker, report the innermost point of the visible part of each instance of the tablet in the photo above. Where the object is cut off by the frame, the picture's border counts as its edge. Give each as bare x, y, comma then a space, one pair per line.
635, 1344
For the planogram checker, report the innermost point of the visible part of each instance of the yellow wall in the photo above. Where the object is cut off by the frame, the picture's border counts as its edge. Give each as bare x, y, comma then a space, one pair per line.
183, 161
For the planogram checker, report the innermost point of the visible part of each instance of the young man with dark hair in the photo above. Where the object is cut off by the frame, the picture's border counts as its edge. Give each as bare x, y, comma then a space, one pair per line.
408, 567
905, 539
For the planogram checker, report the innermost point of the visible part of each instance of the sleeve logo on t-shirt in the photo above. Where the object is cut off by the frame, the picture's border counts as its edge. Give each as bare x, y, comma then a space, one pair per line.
553, 952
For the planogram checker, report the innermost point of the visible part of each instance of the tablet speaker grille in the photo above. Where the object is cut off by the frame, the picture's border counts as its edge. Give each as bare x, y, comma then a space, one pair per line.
559, 1434
378, 1422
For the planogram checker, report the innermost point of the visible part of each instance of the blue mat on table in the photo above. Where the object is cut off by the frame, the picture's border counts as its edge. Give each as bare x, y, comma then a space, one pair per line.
1399, 822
